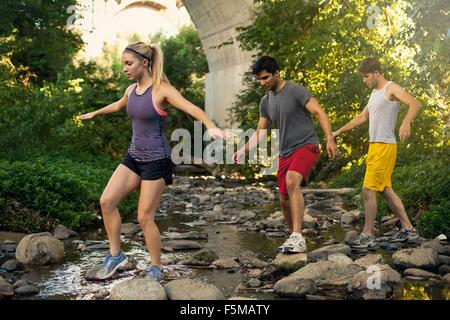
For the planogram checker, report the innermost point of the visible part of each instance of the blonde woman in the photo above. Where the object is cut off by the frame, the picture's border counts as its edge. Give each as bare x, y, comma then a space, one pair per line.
147, 163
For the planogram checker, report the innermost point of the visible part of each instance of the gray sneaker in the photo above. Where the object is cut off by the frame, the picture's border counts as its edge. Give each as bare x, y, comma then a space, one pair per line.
363, 241
404, 235
110, 266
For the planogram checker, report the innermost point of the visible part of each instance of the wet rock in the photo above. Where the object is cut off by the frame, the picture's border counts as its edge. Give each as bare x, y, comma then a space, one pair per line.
290, 262
444, 259
27, 290
369, 260
191, 235
446, 278
390, 223
94, 247
9, 265
192, 289
321, 205
246, 216
138, 289
225, 263
202, 258
421, 258
335, 216
350, 217
340, 258
271, 272
92, 272
61, 232
326, 225
241, 298
309, 222
374, 283
203, 198
8, 248
436, 246
350, 236
276, 234
419, 273
40, 249
327, 273
294, 287
324, 252
253, 283
20, 283
181, 245
249, 258
5, 288
444, 269
129, 228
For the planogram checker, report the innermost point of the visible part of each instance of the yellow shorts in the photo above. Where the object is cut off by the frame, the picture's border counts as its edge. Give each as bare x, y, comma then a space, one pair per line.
380, 165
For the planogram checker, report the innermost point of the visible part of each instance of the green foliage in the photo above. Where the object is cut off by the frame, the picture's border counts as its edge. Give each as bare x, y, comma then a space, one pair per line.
35, 37
60, 189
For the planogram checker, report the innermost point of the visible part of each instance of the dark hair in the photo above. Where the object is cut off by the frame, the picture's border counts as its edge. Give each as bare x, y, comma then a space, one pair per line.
369, 65
265, 63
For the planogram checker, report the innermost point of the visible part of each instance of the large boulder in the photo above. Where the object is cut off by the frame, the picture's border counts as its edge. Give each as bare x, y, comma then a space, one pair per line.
375, 283
138, 289
192, 289
40, 249
421, 258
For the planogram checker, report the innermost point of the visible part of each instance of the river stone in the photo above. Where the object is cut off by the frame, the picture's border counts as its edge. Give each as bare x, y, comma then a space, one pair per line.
202, 258
129, 228
20, 283
40, 249
444, 259
226, 263
350, 236
294, 287
5, 288
340, 258
191, 235
327, 272
246, 216
419, 273
10, 265
369, 260
192, 289
324, 252
375, 283
446, 278
138, 289
61, 232
435, 245
182, 245
420, 258
27, 290
291, 262
249, 258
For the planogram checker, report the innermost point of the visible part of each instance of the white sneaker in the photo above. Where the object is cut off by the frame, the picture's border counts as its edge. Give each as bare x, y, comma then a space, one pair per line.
295, 244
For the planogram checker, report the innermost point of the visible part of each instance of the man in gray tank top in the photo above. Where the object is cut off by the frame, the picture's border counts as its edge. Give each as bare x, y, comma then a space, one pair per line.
381, 111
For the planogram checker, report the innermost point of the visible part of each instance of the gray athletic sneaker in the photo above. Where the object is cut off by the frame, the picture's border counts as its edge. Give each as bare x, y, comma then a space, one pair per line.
404, 235
110, 266
363, 241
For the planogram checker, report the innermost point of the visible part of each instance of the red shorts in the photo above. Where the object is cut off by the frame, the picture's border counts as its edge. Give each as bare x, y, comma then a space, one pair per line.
301, 160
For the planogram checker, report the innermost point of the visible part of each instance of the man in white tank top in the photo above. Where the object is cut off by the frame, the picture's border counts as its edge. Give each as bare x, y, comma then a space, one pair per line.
381, 111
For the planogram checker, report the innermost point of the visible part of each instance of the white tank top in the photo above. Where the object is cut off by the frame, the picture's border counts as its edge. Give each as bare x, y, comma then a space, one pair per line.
382, 116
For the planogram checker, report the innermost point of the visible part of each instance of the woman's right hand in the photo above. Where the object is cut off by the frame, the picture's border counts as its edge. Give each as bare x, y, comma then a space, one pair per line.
87, 116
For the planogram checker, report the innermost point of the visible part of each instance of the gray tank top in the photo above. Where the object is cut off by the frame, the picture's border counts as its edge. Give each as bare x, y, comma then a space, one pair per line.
149, 142
382, 116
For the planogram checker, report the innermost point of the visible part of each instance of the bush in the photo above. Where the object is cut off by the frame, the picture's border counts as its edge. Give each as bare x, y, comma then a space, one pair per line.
65, 190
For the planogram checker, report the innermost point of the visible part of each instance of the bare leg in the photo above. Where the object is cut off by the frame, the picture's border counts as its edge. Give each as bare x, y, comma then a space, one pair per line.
122, 182
284, 199
296, 201
395, 203
149, 199
370, 211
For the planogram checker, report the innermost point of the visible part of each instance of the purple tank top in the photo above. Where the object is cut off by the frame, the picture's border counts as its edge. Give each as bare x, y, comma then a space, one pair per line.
149, 142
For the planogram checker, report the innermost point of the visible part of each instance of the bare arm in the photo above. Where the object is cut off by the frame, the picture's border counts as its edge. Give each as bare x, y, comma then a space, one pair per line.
314, 108
255, 139
357, 121
113, 107
403, 96
174, 97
